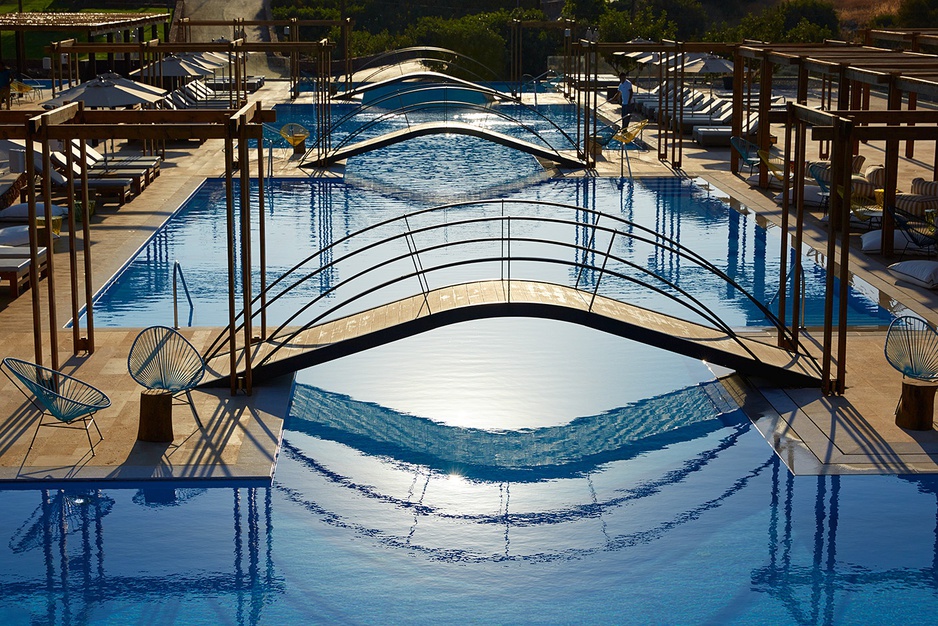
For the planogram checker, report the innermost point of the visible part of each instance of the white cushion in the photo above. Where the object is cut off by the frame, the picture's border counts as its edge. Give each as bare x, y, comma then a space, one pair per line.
20, 211
871, 241
812, 196
921, 273
14, 236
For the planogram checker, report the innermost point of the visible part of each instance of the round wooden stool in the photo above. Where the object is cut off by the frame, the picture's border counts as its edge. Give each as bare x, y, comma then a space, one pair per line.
916, 408
156, 416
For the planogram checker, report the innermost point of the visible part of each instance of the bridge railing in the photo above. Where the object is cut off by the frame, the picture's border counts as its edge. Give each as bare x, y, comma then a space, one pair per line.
507, 240
399, 105
429, 55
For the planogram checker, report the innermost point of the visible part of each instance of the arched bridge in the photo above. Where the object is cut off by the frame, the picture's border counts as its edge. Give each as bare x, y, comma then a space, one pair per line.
415, 79
450, 128
505, 258
428, 109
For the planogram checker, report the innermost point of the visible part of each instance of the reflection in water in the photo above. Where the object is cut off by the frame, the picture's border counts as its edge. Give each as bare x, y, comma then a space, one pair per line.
803, 556
70, 529
377, 428
305, 216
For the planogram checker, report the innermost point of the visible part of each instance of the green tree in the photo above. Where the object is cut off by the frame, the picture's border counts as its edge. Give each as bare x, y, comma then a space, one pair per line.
918, 13
689, 16
621, 26
790, 21
584, 10
471, 36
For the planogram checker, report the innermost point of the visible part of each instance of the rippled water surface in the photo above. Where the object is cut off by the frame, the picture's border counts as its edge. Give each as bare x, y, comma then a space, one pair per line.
499, 471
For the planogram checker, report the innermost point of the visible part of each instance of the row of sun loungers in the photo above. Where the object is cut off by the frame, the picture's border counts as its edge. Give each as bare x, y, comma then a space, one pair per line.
197, 95
115, 178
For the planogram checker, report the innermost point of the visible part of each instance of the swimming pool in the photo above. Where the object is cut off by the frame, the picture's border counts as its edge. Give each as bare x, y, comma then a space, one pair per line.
499, 471
374, 517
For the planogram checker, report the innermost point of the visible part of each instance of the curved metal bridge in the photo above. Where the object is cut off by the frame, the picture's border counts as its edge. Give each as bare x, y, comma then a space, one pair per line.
445, 102
504, 258
417, 78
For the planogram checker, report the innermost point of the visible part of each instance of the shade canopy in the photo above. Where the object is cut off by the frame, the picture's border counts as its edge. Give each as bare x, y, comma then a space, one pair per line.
708, 65
174, 66
105, 93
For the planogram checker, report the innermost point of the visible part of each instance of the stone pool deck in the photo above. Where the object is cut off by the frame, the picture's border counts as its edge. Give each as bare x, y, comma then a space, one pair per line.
238, 437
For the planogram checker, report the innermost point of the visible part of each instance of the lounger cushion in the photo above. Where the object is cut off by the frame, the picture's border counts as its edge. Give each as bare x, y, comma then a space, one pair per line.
21, 211
14, 236
872, 241
812, 196
876, 174
915, 203
921, 273
924, 187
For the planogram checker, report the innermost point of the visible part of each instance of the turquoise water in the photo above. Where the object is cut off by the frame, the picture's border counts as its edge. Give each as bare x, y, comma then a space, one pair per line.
504, 471
305, 215
380, 514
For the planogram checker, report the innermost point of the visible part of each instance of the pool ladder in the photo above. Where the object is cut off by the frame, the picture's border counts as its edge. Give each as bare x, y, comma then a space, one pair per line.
177, 274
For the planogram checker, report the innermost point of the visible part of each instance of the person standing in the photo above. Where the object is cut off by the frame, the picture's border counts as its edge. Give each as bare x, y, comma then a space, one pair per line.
626, 97
6, 80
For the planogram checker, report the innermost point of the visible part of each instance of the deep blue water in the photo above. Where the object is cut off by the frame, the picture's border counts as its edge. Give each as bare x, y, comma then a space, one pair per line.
500, 471
303, 216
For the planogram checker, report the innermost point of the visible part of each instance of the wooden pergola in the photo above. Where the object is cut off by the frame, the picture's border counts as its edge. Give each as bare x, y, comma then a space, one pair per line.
848, 73
91, 24
74, 122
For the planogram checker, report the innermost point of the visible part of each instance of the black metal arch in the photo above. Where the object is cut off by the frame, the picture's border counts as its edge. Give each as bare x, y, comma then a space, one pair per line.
326, 260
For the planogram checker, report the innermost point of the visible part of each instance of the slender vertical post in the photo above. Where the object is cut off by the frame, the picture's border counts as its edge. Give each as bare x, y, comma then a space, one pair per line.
230, 233
244, 161
72, 241
841, 382
262, 231
47, 200
736, 121
34, 247
86, 248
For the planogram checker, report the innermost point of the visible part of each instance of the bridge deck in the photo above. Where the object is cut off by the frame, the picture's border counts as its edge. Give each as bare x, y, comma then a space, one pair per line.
446, 127
495, 298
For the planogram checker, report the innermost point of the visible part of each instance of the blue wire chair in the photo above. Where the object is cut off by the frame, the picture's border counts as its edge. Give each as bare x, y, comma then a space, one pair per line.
748, 152
161, 358
912, 348
64, 397
919, 232
816, 171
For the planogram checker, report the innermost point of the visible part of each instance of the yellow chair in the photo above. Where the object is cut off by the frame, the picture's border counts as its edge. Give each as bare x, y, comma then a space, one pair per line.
627, 136
22, 90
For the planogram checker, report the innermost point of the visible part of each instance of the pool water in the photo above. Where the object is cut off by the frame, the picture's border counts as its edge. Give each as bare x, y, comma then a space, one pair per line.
303, 216
382, 512
497, 471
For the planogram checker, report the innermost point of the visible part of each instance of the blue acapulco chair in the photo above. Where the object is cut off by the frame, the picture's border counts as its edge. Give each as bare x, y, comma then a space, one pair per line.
912, 348
748, 152
161, 358
65, 398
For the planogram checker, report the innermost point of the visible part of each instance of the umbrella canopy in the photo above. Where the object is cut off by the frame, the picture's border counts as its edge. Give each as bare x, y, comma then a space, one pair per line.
708, 65
101, 93
132, 84
174, 66
204, 59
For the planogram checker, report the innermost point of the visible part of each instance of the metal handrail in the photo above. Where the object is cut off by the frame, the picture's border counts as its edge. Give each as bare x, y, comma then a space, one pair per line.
381, 104
647, 278
177, 272
537, 80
